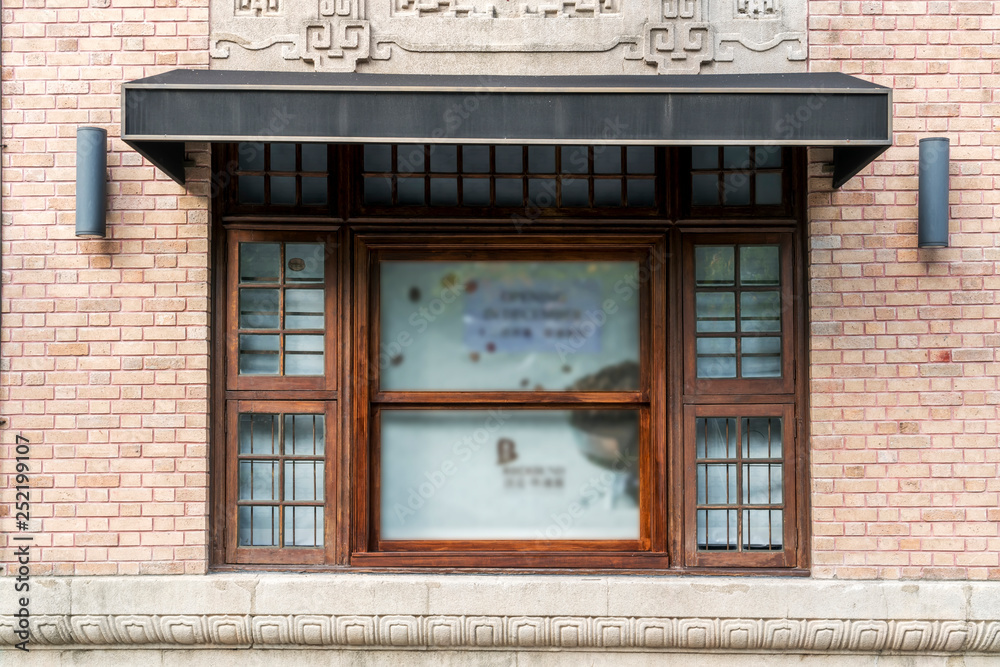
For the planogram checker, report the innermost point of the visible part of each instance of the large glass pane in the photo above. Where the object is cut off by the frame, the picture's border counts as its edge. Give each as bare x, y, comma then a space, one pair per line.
509, 474
259, 309
759, 265
259, 354
519, 325
713, 265
304, 262
260, 262
716, 357
715, 312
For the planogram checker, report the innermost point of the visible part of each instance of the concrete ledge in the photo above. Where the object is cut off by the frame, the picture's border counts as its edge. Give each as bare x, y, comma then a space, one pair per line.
714, 614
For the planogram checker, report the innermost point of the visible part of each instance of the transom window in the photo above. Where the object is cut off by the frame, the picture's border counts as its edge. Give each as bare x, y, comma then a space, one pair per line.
396, 394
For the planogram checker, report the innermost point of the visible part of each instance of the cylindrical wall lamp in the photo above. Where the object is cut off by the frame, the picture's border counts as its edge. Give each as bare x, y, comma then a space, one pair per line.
932, 197
91, 187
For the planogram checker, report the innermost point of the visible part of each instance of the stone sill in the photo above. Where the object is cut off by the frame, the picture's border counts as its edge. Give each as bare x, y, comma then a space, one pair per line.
469, 612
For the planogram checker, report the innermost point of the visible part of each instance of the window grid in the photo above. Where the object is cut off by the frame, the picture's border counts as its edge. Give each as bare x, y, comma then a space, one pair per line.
283, 175
749, 178
562, 178
282, 503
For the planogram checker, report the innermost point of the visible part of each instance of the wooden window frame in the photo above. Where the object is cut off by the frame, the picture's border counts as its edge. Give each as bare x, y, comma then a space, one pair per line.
354, 237
650, 550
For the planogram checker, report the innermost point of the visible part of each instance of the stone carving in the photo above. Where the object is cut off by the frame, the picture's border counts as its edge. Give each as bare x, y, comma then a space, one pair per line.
488, 632
257, 7
507, 37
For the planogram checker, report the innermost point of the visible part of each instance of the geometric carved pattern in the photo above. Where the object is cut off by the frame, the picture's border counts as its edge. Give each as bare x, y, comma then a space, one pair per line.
513, 632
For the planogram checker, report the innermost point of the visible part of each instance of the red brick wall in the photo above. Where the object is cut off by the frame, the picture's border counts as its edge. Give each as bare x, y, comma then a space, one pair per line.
104, 343
905, 342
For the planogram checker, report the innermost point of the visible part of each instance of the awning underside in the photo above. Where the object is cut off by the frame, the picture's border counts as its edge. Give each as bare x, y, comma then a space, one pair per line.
853, 116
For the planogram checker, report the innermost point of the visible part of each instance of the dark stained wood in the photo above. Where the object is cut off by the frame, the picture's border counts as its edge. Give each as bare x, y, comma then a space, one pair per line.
659, 238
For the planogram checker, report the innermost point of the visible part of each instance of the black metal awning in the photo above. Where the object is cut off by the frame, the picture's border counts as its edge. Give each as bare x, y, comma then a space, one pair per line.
852, 116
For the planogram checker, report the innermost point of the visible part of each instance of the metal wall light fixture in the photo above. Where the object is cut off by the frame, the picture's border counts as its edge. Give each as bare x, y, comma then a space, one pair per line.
91, 185
932, 196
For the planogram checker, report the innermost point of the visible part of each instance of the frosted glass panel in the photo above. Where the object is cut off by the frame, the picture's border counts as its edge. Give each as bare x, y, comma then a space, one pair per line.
259, 309
509, 474
551, 326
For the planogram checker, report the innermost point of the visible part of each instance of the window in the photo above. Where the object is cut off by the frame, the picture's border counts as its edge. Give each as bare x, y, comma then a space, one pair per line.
392, 393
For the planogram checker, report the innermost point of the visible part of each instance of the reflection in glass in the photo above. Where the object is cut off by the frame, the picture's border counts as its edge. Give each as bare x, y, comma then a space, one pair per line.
476, 191
476, 159
251, 156
714, 265
760, 311
717, 529
260, 262
444, 191
704, 157
641, 192
716, 357
282, 158
509, 474
303, 355
444, 158
716, 484
283, 190
715, 312
259, 309
303, 526
314, 157
251, 189
575, 192
304, 435
607, 193
762, 484
258, 480
768, 189
410, 191
762, 437
759, 265
641, 159
762, 530
259, 354
313, 190
303, 480
736, 189
507, 325
258, 433
509, 159
378, 158
257, 526
761, 357
715, 437
378, 190
541, 159
303, 308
